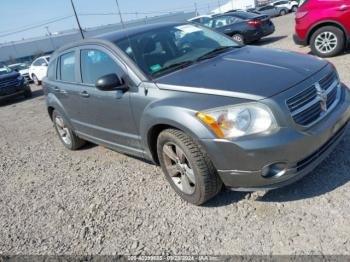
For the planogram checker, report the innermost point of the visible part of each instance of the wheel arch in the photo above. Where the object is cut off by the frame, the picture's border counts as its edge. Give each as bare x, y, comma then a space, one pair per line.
321, 24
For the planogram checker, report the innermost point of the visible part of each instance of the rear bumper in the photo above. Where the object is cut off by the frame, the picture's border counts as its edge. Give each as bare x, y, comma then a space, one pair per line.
297, 40
263, 163
258, 34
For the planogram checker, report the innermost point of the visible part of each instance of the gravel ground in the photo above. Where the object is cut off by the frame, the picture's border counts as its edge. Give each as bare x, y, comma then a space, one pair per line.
96, 201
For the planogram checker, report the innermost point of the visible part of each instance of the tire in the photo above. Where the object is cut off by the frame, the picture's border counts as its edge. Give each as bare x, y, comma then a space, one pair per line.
283, 12
238, 38
334, 35
294, 8
36, 80
201, 175
28, 93
68, 138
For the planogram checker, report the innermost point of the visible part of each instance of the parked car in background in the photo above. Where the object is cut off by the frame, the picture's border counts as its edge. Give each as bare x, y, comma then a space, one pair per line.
12, 84
292, 6
243, 27
208, 110
21, 68
272, 11
324, 25
38, 69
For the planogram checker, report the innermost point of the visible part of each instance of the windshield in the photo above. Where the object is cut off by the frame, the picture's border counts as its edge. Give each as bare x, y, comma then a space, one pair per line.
4, 70
173, 47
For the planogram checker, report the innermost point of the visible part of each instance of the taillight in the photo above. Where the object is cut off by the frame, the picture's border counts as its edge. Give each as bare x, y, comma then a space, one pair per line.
254, 22
300, 14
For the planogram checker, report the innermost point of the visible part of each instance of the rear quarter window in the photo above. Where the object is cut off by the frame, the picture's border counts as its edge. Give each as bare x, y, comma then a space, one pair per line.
67, 67
51, 72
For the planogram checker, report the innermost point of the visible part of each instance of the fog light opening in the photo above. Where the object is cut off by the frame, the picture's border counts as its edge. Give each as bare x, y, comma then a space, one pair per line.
274, 170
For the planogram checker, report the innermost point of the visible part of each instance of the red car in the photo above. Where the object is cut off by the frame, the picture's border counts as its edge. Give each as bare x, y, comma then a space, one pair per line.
324, 25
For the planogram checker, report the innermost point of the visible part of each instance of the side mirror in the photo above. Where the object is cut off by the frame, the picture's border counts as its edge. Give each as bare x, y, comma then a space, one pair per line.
16, 70
109, 83
44, 64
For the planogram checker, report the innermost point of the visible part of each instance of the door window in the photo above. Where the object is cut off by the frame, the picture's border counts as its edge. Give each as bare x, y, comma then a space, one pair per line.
67, 67
95, 64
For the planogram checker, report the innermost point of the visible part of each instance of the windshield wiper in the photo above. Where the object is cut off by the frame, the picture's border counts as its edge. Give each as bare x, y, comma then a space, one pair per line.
173, 67
215, 52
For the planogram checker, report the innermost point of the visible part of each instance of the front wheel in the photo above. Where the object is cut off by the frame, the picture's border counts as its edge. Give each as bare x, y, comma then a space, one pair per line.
187, 167
294, 8
327, 41
36, 80
28, 93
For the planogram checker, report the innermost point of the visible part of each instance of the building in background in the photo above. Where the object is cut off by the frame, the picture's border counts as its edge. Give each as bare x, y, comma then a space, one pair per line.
28, 50
234, 5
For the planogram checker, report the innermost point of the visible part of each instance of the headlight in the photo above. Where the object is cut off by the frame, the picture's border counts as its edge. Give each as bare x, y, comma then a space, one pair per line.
239, 120
20, 78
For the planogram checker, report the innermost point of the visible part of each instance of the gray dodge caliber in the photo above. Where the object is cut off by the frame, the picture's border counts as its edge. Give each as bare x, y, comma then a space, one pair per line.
209, 111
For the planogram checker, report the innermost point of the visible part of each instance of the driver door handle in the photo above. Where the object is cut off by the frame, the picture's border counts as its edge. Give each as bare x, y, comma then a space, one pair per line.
84, 94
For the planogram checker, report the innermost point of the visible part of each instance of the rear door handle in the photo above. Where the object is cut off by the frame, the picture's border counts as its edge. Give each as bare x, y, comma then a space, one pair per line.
343, 8
84, 94
56, 89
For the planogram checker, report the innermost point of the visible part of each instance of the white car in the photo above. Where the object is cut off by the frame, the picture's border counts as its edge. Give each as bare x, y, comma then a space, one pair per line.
292, 6
38, 69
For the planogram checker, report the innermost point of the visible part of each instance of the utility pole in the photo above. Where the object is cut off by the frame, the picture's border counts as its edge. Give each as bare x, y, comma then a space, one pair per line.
219, 5
76, 17
196, 9
50, 36
120, 14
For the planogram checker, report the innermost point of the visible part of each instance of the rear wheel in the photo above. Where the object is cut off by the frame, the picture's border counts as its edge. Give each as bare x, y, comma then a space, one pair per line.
187, 167
238, 38
327, 41
68, 138
283, 12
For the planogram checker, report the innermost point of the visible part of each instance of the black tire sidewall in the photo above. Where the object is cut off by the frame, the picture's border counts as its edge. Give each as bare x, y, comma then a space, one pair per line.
340, 37
194, 198
28, 92
71, 145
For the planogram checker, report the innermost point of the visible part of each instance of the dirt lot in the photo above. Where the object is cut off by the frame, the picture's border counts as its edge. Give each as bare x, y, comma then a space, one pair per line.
96, 201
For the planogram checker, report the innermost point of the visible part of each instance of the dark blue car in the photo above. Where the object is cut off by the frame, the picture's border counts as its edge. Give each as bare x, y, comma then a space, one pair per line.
12, 84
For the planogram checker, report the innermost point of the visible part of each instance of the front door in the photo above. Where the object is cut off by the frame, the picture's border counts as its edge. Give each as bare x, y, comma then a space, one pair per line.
105, 116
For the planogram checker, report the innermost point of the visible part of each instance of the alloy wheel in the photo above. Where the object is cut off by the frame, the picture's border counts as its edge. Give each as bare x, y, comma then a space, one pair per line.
63, 130
179, 168
326, 42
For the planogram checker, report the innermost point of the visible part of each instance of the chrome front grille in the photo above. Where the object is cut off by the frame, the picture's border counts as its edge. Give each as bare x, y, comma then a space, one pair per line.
310, 105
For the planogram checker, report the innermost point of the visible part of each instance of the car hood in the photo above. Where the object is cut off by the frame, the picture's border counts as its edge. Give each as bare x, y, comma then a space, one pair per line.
250, 72
11, 75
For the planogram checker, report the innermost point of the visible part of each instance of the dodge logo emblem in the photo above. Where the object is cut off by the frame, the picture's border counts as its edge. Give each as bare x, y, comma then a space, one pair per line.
323, 97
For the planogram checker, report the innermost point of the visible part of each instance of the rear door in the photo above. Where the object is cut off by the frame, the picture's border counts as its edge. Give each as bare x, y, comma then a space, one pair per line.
344, 14
66, 86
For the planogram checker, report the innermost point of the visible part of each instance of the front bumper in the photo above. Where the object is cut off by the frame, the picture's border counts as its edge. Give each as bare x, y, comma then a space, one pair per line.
14, 92
298, 41
241, 164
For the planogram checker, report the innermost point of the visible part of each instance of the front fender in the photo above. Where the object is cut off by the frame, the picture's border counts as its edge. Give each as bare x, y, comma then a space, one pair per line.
174, 116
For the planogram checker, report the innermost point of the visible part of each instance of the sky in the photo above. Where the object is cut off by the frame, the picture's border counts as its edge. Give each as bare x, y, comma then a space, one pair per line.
23, 19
